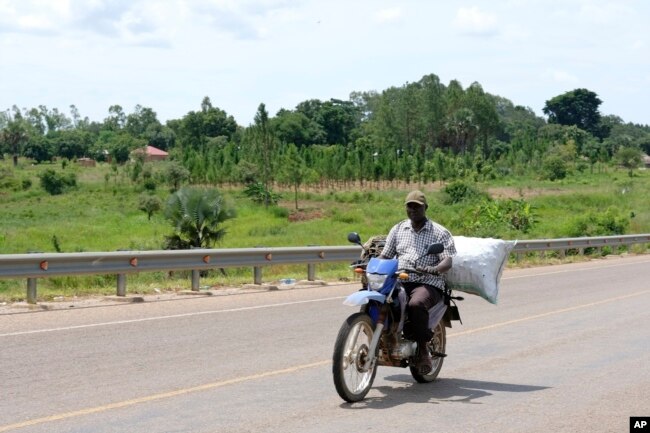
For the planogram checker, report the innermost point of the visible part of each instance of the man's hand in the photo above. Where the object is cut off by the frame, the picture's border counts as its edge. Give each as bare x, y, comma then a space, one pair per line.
427, 269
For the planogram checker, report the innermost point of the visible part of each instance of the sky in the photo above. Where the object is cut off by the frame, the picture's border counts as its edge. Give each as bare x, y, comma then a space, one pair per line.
169, 54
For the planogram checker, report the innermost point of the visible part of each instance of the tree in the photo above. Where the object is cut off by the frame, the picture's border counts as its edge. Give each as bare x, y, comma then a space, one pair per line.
176, 174
196, 215
485, 114
14, 136
116, 118
54, 119
295, 127
121, 146
578, 107
264, 146
140, 120
197, 127
294, 171
629, 157
160, 136
77, 121
433, 107
462, 128
72, 143
39, 148
149, 203
337, 119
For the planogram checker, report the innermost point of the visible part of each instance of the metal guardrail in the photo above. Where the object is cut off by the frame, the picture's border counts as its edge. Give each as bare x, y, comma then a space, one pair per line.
121, 263
579, 243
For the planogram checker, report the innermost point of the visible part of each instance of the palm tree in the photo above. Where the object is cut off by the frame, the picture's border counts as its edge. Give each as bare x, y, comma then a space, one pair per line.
462, 127
196, 215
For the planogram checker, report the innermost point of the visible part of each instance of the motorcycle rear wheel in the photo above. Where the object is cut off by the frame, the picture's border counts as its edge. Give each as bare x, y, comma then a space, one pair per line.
352, 376
437, 344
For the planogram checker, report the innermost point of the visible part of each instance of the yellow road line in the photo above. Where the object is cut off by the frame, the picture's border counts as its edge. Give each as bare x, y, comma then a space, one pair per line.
550, 313
154, 397
209, 386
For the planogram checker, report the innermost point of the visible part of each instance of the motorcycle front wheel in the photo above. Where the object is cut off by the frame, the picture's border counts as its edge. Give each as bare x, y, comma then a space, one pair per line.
353, 376
437, 344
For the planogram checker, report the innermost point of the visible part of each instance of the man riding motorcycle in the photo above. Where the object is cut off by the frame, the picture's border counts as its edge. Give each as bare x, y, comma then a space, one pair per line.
406, 240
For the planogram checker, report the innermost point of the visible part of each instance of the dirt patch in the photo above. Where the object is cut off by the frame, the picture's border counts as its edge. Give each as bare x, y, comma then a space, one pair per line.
305, 215
508, 192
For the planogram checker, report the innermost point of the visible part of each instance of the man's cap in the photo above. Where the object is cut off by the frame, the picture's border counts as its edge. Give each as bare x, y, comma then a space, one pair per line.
416, 197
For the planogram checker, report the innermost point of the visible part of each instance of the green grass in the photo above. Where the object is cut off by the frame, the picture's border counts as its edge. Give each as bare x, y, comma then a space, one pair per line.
102, 215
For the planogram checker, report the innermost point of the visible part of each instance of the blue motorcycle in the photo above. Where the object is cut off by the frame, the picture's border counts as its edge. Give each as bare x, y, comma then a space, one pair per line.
375, 335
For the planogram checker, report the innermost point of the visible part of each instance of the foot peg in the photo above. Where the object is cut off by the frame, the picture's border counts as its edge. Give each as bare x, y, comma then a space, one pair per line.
439, 355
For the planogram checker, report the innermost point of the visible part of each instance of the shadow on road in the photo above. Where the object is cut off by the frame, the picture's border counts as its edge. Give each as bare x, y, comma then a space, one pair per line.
447, 390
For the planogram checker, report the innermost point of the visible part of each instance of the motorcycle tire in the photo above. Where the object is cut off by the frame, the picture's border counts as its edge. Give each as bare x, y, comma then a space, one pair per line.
437, 344
352, 377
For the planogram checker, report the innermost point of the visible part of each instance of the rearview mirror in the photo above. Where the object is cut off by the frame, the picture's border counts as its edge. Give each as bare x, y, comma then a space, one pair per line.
354, 238
435, 248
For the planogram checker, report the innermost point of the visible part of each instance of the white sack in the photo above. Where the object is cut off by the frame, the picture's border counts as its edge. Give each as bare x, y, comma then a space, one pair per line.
478, 265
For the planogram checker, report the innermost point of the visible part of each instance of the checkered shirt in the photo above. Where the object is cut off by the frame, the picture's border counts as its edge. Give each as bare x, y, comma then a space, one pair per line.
409, 245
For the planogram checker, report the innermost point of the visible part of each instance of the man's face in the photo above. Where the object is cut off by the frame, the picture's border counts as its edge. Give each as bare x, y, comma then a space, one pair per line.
415, 212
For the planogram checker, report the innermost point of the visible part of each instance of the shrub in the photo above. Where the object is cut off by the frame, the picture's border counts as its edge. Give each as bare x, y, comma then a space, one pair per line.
610, 222
55, 183
459, 191
495, 217
197, 216
7, 179
259, 194
554, 168
149, 185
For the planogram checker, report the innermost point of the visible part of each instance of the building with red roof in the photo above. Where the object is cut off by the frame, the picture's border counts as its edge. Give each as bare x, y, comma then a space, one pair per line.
152, 153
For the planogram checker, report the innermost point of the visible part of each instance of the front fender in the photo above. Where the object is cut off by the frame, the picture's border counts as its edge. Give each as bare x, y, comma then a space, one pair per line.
362, 297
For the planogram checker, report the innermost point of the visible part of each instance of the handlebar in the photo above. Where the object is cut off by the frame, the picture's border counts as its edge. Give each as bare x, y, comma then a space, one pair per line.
403, 274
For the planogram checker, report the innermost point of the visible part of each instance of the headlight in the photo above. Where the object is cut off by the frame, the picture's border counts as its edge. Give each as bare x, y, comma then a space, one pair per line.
376, 281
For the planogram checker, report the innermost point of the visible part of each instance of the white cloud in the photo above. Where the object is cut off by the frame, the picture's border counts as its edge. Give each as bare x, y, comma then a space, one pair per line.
473, 21
603, 12
388, 15
561, 76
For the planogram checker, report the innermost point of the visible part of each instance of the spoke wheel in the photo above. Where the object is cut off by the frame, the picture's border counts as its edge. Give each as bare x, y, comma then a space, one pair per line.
437, 344
353, 375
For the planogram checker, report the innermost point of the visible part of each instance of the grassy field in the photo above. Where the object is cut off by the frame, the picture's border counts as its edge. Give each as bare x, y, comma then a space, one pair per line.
102, 214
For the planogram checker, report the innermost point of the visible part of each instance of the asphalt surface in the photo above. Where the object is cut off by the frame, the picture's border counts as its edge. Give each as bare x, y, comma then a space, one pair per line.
566, 350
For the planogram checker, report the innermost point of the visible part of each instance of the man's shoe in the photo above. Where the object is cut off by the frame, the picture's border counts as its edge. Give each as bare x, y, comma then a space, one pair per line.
424, 362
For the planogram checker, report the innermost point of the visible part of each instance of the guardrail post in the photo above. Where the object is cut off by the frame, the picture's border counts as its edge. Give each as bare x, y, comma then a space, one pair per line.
257, 270
121, 285
257, 275
196, 276
31, 290
311, 267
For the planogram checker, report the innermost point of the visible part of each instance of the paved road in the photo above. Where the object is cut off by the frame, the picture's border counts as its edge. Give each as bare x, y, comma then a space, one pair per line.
565, 350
